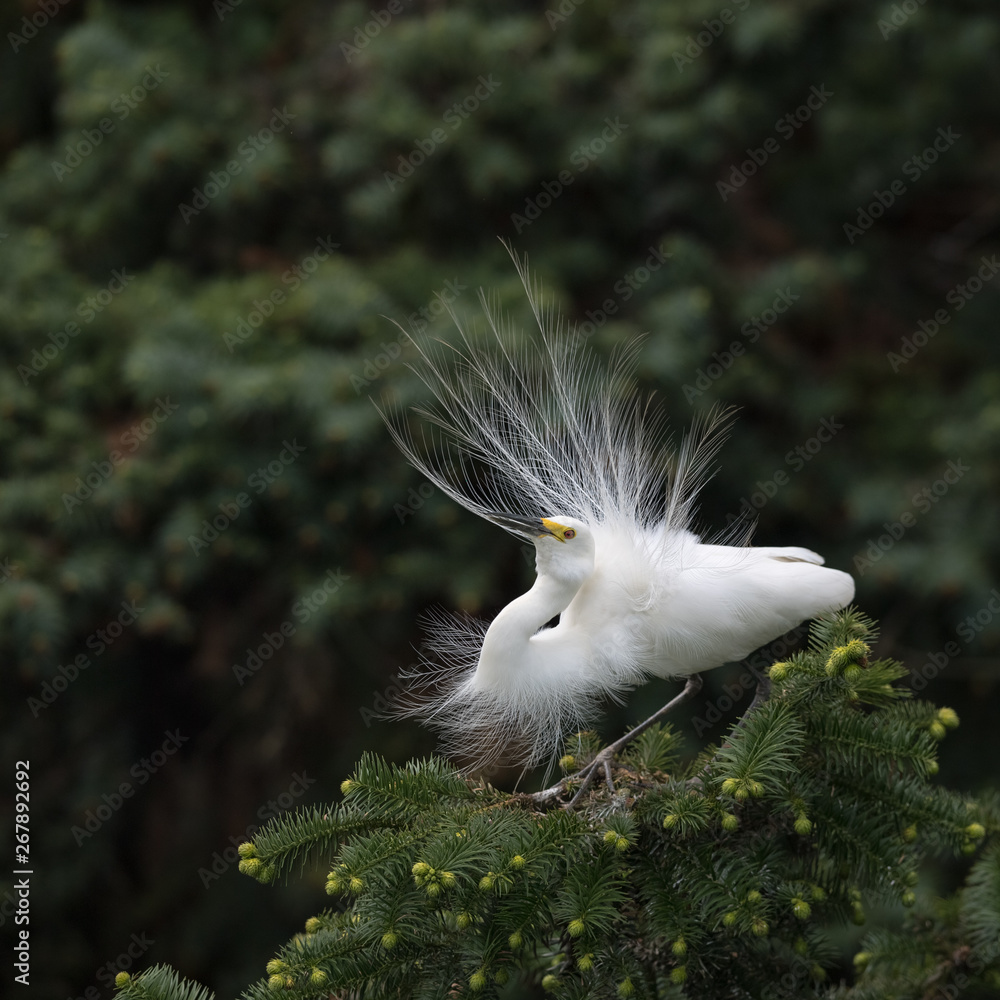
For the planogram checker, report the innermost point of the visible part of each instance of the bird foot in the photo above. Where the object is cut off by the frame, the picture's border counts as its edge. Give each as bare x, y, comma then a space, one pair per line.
585, 776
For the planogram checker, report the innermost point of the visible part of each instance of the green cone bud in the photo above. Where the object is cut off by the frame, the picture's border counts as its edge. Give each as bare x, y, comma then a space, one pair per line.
948, 717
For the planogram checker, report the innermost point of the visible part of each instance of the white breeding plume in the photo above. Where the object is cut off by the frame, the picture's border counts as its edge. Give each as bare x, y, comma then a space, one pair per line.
542, 441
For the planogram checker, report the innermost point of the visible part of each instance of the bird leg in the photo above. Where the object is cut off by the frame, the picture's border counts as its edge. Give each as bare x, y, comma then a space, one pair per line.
603, 760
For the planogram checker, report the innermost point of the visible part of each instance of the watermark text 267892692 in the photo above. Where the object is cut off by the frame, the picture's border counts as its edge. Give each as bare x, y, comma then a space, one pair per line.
22, 853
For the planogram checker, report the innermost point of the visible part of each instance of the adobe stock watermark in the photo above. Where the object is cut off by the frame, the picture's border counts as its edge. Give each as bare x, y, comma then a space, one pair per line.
122, 106
624, 288
97, 642
454, 118
302, 610
913, 169
722, 361
440, 303
88, 310
967, 629
565, 10
732, 694
138, 945
142, 770
230, 510
796, 460
247, 151
696, 44
130, 440
293, 278
366, 33
47, 9
221, 862
786, 127
580, 159
958, 297
924, 500
899, 14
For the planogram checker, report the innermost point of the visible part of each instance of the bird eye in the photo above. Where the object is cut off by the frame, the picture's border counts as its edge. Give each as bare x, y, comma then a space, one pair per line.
569, 533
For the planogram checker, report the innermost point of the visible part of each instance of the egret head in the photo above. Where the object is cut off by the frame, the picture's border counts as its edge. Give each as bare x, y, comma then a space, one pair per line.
564, 546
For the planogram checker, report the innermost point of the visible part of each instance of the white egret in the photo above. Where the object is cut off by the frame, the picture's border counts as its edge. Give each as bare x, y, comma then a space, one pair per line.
548, 445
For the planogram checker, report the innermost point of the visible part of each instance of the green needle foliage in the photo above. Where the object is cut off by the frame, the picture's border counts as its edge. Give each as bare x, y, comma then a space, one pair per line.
721, 878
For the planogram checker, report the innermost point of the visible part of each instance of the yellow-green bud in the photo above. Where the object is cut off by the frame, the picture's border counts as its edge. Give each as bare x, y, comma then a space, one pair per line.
976, 831
333, 885
730, 822
549, 982
729, 919
501, 976
625, 988
487, 881
421, 868
347, 786
803, 825
729, 786
857, 914
610, 837
515, 940
908, 898
275, 966
801, 946
477, 981
861, 960
759, 927
753, 896
317, 977
910, 834
567, 763
433, 890
948, 717
448, 880
817, 972
844, 656
969, 847
932, 767
778, 671
937, 730
756, 789
679, 948
276, 983
517, 862
621, 844
246, 850
251, 867
389, 939
585, 962
463, 921
266, 874
669, 821
852, 672
576, 927
911, 878
355, 884
313, 924
679, 975
801, 909
122, 980
818, 893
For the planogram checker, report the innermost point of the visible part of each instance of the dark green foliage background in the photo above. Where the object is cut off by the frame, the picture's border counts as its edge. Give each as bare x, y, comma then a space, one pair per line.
300, 376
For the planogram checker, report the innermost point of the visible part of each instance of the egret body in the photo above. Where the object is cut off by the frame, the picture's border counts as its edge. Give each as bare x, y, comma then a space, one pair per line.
545, 444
